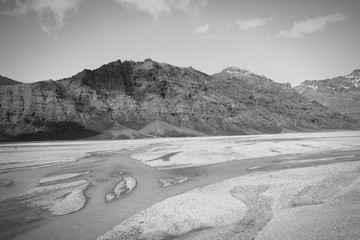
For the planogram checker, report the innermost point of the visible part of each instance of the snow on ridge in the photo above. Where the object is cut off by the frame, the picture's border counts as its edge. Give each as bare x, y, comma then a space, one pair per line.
241, 72
238, 71
356, 82
354, 79
313, 87
302, 87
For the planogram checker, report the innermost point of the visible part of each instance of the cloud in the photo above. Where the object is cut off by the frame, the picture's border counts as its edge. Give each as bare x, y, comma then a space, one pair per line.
202, 29
51, 13
158, 7
311, 25
248, 24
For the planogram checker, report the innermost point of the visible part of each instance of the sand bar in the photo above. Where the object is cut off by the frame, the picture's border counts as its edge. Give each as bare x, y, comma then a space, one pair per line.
113, 158
268, 205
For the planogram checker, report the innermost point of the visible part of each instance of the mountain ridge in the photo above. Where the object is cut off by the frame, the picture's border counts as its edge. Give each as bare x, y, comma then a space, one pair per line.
143, 99
8, 81
341, 94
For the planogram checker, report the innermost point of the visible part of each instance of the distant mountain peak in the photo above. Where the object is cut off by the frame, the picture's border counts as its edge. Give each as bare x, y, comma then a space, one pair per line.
148, 60
341, 94
240, 72
128, 99
355, 73
237, 71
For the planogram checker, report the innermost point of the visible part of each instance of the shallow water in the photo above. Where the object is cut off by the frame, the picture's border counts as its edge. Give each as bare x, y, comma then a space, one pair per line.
99, 216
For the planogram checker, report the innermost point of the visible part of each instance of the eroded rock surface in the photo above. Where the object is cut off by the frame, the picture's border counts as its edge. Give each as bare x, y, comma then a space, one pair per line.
341, 94
130, 99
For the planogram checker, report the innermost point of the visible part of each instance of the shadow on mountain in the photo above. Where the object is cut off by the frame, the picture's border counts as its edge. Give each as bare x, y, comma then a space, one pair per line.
54, 131
129, 100
8, 81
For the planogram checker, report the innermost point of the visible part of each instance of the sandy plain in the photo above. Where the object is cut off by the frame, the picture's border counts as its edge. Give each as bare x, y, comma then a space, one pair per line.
287, 186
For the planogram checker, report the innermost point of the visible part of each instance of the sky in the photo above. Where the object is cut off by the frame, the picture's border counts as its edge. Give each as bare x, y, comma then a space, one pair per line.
285, 40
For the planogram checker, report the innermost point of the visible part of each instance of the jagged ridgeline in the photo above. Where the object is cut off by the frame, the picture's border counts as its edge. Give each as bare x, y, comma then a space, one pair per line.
341, 94
129, 99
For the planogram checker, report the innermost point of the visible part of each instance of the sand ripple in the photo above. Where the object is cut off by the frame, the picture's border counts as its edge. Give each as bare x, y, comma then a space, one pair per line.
198, 209
262, 205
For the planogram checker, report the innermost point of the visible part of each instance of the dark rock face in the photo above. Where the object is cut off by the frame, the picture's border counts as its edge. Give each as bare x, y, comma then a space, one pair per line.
267, 106
341, 94
141, 99
8, 81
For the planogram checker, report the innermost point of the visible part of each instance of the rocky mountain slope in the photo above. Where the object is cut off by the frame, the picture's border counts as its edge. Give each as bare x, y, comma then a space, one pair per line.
341, 94
141, 99
8, 81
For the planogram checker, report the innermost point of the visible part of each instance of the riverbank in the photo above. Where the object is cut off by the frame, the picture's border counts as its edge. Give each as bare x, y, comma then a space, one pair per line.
111, 187
318, 202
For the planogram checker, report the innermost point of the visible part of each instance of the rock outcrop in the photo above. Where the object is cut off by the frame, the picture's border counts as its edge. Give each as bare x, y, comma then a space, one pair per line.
341, 94
140, 99
8, 81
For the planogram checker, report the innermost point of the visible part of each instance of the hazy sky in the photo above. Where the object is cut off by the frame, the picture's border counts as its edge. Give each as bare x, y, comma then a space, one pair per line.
285, 40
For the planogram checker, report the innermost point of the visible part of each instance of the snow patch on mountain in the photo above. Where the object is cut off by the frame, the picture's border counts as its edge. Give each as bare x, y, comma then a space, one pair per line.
313, 87
301, 88
238, 71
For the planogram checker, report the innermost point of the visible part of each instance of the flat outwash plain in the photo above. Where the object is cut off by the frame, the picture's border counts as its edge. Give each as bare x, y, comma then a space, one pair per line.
286, 186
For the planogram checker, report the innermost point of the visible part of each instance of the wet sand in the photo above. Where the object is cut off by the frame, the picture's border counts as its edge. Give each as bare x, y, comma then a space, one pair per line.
316, 202
106, 171
101, 216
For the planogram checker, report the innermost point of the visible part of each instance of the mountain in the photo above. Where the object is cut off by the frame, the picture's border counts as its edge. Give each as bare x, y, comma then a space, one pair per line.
162, 129
341, 94
140, 99
8, 81
120, 132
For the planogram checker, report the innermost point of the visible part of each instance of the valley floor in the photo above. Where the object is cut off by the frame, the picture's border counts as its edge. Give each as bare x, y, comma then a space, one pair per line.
286, 186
